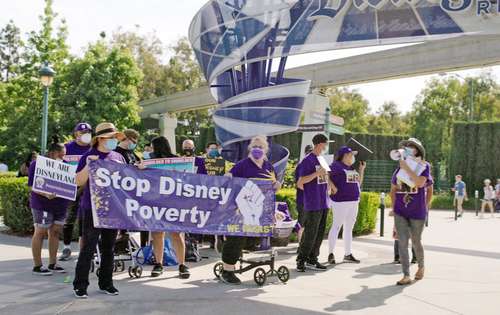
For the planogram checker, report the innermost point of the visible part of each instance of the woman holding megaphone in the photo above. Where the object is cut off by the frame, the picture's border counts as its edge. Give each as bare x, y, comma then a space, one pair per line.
409, 200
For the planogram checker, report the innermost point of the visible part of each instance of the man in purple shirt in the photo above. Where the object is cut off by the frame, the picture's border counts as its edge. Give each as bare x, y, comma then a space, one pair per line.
314, 182
103, 145
410, 205
299, 198
74, 150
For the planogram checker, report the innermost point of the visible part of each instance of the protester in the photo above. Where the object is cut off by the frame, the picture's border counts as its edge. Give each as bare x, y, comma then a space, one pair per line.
104, 143
161, 149
23, 169
3, 168
346, 190
299, 195
460, 194
128, 145
49, 213
255, 166
410, 207
212, 150
488, 197
82, 134
314, 182
188, 151
148, 149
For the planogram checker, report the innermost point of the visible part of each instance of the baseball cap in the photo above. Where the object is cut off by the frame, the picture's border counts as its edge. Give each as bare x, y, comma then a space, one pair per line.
83, 126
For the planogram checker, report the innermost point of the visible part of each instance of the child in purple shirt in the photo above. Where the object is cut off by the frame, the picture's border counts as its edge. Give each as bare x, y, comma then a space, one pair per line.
49, 214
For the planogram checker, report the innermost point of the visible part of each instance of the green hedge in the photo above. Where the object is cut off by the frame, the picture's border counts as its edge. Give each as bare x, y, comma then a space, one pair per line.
445, 202
14, 194
8, 174
367, 215
474, 153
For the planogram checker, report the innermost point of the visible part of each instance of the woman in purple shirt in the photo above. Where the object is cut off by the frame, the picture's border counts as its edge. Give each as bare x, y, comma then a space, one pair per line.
255, 166
103, 145
49, 213
346, 188
410, 204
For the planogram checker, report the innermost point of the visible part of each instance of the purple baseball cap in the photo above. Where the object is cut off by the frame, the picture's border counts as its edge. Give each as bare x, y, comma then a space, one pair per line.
83, 126
344, 150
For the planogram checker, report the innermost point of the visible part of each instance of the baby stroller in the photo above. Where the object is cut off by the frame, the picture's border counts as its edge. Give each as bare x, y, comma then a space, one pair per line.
126, 248
282, 229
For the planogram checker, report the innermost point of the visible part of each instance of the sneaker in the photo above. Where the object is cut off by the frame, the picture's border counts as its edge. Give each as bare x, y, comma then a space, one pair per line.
81, 293
414, 260
229, 277
56, 268
301, 267
41, 271
315, 266
66, 254
396, 261
420, 274
111, 290
331, 259
157, 271
184, 272
350, 259
405, 281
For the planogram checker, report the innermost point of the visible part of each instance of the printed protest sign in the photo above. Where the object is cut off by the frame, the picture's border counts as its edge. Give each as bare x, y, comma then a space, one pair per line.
179, 164
55, 177
125, 197
215, 167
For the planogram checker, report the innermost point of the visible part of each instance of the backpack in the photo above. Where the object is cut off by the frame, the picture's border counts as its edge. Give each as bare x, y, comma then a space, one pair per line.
192, 253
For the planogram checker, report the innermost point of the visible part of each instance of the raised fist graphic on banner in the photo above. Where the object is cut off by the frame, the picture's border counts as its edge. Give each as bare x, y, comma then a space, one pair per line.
250, 201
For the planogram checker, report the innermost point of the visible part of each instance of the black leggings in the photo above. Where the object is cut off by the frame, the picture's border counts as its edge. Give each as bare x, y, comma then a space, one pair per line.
233, 245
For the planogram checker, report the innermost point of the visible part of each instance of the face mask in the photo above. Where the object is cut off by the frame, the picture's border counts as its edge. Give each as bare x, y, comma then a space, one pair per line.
146, 155
111, 144
213, 153
188, 152
86, 138
353, 160
257, 153
131, 146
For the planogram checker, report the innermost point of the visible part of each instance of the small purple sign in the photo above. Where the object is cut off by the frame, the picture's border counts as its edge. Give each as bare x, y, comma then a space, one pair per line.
125, 197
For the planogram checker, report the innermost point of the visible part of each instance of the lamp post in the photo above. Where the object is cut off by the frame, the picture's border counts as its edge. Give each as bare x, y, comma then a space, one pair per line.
471, 92
46, 77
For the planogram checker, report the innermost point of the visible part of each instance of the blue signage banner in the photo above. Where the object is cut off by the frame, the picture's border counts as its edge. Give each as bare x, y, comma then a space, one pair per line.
125, 197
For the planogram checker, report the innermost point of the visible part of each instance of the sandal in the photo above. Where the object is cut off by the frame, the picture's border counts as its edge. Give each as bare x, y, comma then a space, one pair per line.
405, 281
420, 274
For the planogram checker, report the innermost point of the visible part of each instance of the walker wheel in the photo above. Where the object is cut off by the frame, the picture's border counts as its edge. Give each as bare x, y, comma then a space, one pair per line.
130, 272
98, 272
119, 266
283, 274
260, 276
115, 266
138, 272
218, 268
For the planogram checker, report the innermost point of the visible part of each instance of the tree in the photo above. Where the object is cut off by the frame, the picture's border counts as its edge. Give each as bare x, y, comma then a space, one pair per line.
389, 120
101, 86
11, 47
351, 106
21, 96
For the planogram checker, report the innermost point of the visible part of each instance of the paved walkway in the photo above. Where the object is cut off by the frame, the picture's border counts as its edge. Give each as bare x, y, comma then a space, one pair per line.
463, 277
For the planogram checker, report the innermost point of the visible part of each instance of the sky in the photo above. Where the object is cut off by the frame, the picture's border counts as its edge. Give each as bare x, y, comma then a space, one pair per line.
170, 19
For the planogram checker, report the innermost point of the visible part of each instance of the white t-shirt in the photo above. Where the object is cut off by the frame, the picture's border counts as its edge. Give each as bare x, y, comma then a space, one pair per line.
489, 193
3, 168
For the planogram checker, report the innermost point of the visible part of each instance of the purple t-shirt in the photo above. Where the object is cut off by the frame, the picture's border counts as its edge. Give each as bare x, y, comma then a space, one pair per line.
85, 203
411, 202
74, 151
346, 179
315, 192
39, 202
199, 163
248, 169
299, 198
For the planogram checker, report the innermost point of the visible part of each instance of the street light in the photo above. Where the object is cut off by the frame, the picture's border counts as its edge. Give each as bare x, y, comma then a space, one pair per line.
46, 77
471, 92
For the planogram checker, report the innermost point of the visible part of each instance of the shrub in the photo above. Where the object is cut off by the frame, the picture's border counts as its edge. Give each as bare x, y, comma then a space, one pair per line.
14, 194
445, 202
367, 215
8, 174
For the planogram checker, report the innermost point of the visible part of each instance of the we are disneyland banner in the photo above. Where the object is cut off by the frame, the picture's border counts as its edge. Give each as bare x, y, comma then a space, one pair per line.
125, 197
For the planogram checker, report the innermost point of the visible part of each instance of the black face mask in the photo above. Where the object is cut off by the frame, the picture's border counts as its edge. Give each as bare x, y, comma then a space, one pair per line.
188, 152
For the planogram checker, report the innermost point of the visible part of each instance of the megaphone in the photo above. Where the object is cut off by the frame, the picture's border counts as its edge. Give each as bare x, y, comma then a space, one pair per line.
397, 155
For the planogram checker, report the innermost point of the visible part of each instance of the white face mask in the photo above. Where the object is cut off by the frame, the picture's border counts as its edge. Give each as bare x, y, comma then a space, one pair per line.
353, 159
86, 138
